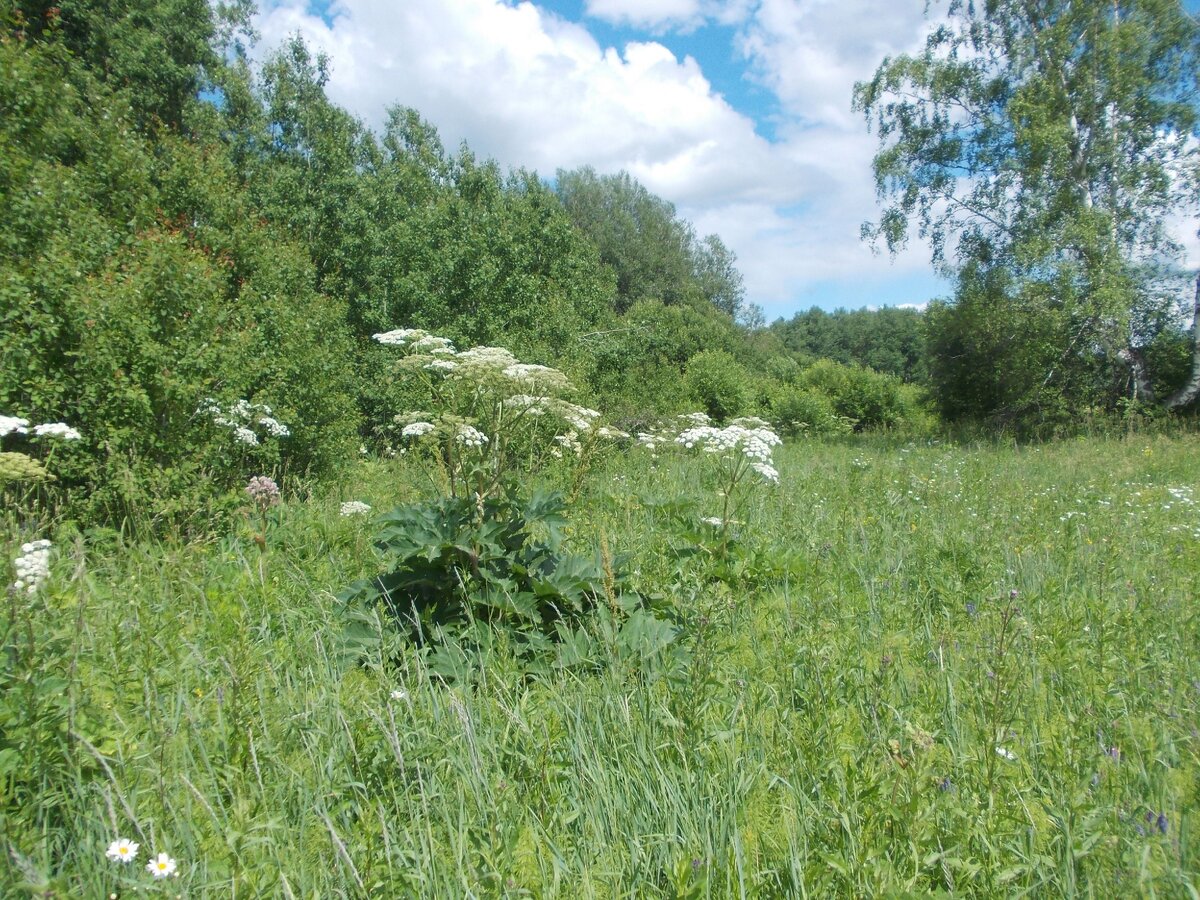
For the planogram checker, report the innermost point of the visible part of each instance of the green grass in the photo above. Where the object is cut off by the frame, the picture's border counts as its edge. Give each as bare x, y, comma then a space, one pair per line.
834, 732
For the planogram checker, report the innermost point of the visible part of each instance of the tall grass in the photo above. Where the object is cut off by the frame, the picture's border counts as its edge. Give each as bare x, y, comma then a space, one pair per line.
928, 668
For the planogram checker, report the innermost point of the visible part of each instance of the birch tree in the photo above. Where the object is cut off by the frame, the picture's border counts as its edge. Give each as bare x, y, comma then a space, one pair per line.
1055, 141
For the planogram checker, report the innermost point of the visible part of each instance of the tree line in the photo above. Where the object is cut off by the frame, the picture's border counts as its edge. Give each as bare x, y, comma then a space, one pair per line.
185, 228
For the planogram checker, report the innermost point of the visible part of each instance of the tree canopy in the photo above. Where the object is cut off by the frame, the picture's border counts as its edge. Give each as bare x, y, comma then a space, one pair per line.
1051, 141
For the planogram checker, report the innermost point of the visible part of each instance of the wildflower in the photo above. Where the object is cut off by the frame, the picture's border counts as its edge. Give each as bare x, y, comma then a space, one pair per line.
542, 377
714, 521
245, 435
59, 430
1006, 753
441, 365
354, 508
162, 866
274, 427
399, 337
431, 343
416, 429
33, 566
767, 471
263, 491
469, 436
399, 695
13, 425
122, 850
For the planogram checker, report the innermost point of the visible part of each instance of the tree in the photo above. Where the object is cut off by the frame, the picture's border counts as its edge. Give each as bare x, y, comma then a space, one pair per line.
1049, 140
654, 253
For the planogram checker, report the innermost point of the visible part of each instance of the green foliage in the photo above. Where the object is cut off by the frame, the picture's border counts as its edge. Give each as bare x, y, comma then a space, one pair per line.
718, 383
465, 574
137, 285
888, 340
654, 254
1046, 147
803, 411
832, 727
637, 365
869, 399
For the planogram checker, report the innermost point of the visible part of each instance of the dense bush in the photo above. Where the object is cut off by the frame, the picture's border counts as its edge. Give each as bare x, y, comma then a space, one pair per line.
719, 384
134, 285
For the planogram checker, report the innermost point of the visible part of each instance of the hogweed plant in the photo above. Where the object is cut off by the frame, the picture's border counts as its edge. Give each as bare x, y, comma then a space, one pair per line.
492, 414
483, 556
738, 454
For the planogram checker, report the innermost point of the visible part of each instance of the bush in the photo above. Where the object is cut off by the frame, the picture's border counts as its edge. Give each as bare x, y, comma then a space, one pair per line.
871, 399
719, 384
800, 411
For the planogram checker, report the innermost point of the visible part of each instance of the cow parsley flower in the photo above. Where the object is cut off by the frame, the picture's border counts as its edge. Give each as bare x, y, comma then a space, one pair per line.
469, 436
162, 866
58, 430
354, 508
122, 850
245, 436
416, 429
13, 425
399, 337
441, 365
32, 566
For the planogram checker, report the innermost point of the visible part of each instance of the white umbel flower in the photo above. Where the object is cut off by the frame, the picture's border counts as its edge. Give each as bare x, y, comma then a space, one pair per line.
162, 866
245, 436
58, 430
416, 429
122, 850
13, 425
470, 436
354, 508
32, 566
399, 337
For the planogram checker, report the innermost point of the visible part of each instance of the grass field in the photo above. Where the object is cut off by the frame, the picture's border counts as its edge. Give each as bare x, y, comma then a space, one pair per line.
926, 668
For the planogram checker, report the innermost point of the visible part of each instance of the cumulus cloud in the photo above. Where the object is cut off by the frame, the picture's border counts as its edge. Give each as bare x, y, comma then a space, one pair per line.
529, 88
662, 15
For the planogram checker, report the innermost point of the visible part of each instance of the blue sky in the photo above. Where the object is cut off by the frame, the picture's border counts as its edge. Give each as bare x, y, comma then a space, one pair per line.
737, 111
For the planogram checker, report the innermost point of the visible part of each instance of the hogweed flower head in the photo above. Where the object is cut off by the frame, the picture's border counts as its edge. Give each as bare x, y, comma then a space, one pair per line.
32, 566
58, 430
354, 508
13, 425
417, 429
470, 436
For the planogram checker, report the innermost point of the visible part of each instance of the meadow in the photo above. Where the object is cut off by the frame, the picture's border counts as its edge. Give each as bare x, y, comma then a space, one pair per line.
920, 668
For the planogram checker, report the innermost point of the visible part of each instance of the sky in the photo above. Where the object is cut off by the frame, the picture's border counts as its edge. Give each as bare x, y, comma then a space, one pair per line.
736, 111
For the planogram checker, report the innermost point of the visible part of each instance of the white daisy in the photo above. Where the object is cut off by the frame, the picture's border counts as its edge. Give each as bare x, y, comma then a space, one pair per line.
122, 850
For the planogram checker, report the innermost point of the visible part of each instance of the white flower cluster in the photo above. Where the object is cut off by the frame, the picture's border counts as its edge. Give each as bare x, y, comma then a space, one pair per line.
416, 429
58, 430
750, 438
15, 425
354, 508
400, 337
33, 566
241, 416
470, 436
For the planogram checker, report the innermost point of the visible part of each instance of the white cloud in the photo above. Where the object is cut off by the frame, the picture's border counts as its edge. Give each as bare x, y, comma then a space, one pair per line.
661, 15
528, 88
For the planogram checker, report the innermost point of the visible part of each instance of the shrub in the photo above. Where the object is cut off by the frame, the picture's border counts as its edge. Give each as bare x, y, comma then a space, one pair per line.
719, 384
800, 411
